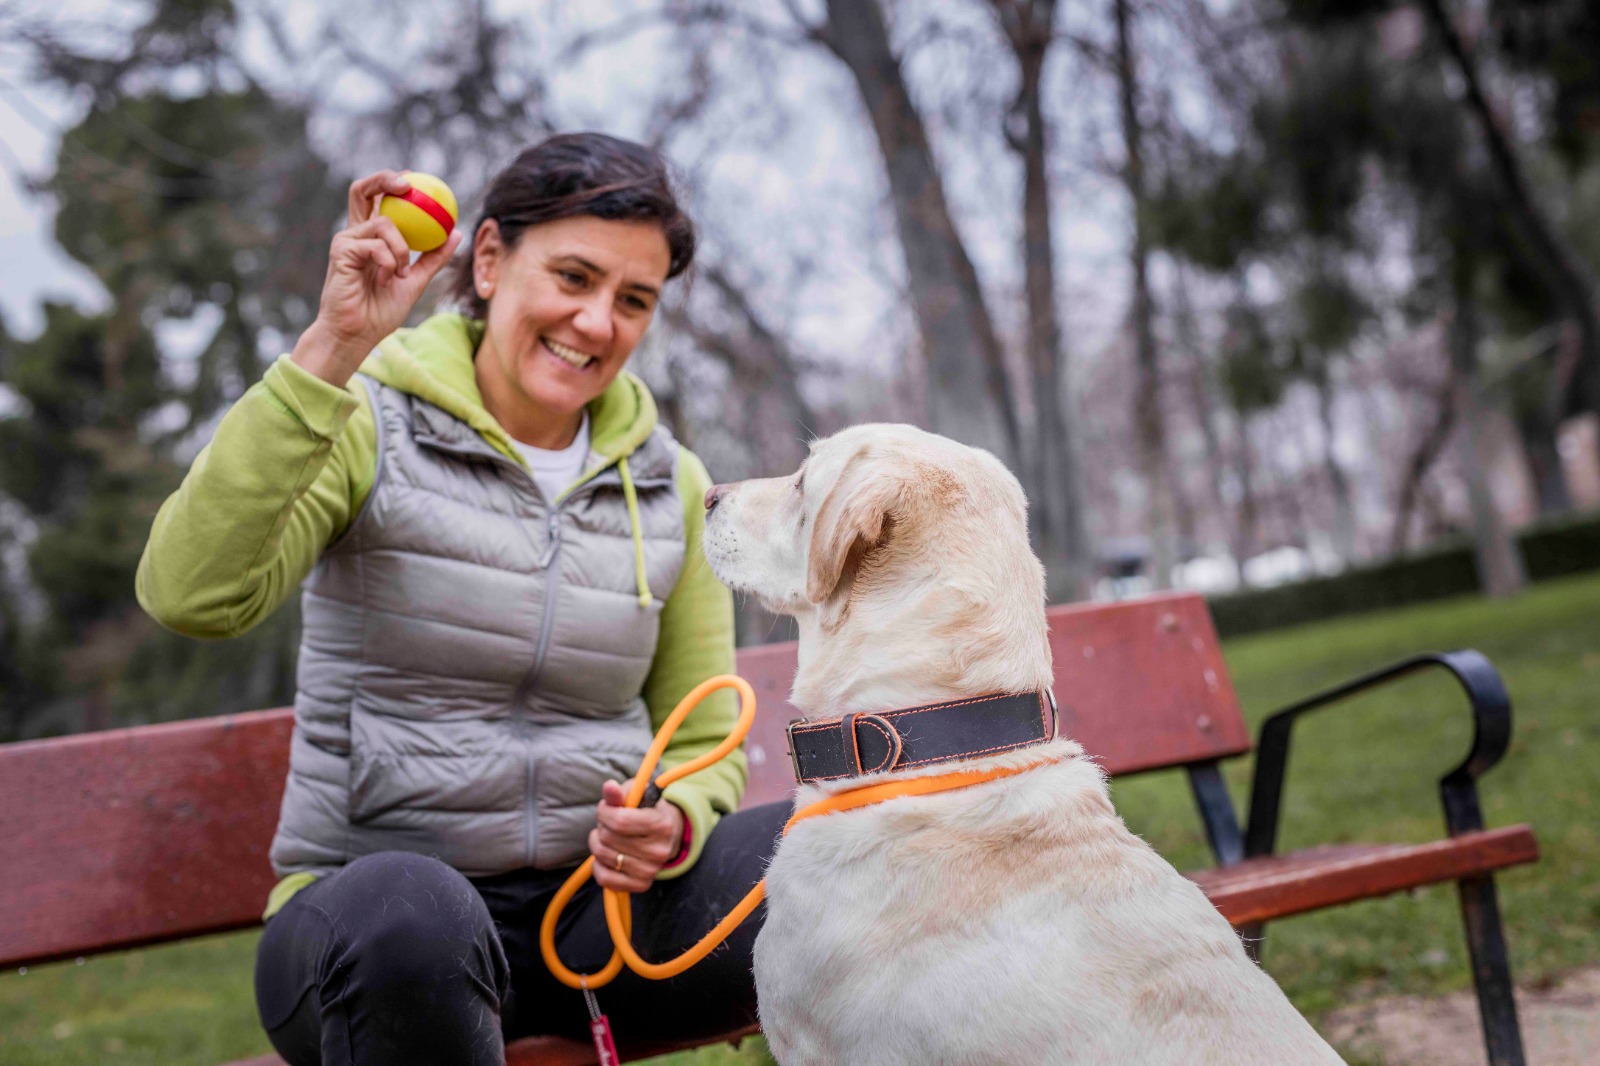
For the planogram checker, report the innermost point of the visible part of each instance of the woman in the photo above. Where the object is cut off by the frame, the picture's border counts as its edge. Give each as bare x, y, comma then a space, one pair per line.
503, 596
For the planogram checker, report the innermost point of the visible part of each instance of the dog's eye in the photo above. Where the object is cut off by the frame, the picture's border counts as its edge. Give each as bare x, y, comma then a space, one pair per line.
800, 482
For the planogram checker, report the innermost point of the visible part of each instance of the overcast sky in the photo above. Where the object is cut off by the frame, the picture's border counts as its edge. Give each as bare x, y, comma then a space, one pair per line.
32, 267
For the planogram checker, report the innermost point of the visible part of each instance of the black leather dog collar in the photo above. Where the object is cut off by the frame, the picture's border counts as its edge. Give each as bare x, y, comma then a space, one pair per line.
833, 748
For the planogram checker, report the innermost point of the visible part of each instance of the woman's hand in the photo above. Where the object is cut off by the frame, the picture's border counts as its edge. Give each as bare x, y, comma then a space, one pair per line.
371, 286
647, 838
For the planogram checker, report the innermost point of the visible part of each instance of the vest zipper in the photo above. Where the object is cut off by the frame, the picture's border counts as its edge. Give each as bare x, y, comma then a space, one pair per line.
552, 529
552, 581
550, 563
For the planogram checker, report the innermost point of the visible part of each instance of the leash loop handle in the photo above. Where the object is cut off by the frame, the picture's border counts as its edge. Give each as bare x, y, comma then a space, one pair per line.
618, 912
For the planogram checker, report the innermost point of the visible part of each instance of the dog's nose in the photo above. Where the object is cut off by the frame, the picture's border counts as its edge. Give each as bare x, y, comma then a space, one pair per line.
713, 496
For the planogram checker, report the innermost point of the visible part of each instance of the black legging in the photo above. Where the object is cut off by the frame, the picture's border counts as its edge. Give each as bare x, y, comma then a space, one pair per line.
397, 958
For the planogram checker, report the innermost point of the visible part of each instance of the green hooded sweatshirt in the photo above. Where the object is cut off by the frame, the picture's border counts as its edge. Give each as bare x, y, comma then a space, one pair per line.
291, 465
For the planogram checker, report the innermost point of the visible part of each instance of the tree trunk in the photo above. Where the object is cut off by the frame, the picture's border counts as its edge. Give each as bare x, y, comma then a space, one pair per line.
1205, 414
1249, 537
1500, 568
1056, 465
1422, 459
1569, 278
1344, 511
1147, 404
1542, 448
968, 397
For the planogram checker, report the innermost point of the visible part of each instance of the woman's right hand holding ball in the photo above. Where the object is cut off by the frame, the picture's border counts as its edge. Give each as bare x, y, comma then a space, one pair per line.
371, 286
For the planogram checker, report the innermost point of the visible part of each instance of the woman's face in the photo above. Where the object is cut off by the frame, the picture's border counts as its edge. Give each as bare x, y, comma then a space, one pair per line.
567, 306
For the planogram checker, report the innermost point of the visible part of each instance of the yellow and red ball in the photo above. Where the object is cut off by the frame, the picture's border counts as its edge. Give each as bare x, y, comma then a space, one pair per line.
425, 214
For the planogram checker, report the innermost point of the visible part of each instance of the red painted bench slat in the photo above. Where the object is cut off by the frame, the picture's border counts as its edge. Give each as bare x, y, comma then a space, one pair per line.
135, 836
1277, 886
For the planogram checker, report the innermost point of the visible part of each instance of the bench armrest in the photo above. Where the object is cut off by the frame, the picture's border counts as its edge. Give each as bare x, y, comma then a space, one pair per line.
1491, 716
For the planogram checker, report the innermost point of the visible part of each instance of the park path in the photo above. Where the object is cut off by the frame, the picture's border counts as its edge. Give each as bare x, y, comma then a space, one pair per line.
1560, 1026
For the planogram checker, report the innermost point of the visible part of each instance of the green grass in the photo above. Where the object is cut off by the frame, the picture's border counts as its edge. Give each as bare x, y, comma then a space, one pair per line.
188, 1003
1365, 771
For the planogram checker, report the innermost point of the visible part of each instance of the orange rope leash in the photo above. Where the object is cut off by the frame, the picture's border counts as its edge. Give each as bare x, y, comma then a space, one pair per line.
618, 916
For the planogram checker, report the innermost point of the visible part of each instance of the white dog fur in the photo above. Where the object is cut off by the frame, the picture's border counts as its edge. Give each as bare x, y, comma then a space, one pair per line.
1018, 921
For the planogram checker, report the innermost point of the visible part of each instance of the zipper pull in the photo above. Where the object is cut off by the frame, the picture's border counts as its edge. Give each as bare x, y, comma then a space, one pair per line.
552, 538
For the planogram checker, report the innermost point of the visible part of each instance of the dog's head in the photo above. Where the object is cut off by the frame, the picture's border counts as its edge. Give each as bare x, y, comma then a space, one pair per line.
876, 512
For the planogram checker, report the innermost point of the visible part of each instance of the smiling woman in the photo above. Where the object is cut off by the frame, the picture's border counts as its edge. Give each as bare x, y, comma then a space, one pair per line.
576, 240
574, 299
504, 596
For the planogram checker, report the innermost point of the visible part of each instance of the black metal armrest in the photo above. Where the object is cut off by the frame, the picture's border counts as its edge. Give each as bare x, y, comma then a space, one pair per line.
1491, 716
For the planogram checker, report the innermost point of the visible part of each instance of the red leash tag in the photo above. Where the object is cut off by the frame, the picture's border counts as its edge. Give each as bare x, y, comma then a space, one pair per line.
605, 1047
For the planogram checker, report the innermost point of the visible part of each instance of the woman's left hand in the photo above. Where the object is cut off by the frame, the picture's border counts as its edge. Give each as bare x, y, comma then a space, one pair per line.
647, 838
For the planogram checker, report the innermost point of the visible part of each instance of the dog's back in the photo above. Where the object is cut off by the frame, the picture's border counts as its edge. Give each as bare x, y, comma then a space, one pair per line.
1015, 922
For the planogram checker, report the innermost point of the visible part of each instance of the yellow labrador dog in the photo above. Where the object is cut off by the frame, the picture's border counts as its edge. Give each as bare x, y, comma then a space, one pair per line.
1016, 921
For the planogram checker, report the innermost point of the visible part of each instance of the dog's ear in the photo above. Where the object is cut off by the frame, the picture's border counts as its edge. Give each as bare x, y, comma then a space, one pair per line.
859, 514
850, 521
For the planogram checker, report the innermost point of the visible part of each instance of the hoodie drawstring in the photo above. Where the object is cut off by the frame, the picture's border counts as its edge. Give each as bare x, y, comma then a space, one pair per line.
632, 499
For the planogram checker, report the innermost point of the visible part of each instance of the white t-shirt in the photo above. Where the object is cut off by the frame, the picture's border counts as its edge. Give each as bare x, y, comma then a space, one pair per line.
554, 470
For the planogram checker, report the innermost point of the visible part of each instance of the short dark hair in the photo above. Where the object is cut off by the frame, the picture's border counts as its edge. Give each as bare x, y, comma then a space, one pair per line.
574, 174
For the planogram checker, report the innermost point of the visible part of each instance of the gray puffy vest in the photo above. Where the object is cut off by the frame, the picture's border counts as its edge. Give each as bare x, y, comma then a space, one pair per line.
472, 656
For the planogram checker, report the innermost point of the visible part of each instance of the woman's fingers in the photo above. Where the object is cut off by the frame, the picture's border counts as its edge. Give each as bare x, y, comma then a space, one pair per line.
659, 820
655, 850
635, 822
635, 873
646, 838
430, 263
364, 193
621, 882
385, 230
358, 252
639, 850
662, 822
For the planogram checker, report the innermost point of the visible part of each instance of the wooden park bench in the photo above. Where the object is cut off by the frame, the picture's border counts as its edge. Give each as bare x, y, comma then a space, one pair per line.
138, 836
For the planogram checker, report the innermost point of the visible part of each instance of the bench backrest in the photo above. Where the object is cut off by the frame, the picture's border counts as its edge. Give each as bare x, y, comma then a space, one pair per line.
134, 836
